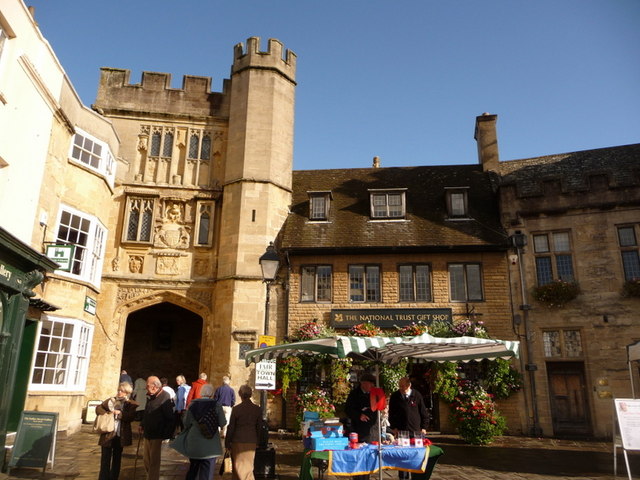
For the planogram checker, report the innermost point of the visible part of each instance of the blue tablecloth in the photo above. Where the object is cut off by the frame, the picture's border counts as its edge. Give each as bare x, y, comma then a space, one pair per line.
366, 460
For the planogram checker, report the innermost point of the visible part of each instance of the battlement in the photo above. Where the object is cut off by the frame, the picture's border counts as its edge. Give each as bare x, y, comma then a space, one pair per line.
154, 93
273, 59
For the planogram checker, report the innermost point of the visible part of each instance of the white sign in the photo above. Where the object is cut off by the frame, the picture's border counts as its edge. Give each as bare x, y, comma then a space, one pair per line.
266, 375
90, 305
62, 255
628, 413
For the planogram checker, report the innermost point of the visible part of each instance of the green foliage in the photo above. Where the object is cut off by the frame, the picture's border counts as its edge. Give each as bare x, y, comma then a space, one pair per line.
288, 370
475, 416
556, 293
441, 329
390, 374
501, 379
340, 387
446, 381
412, 330
314, 400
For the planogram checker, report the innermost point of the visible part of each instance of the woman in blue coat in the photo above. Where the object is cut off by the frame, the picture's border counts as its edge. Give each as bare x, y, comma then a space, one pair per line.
192, 443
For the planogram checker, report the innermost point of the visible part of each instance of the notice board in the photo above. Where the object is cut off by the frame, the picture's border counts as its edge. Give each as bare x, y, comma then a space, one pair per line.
35, 440
628, 414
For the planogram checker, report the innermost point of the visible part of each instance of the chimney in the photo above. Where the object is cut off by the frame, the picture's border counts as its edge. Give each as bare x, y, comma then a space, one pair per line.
376, 162
487, 139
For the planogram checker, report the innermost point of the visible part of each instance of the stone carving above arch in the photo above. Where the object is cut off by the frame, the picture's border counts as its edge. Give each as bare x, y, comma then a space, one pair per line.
139, 298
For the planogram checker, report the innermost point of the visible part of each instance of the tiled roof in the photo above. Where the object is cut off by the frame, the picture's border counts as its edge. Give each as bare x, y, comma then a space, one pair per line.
620, 165
425, 227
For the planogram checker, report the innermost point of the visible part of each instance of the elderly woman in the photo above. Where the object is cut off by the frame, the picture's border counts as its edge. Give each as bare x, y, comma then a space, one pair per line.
201, 450
123, 411
243, 432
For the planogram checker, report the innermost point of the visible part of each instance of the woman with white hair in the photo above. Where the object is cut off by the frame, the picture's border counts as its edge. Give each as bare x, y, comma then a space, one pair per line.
243, 433
202, 446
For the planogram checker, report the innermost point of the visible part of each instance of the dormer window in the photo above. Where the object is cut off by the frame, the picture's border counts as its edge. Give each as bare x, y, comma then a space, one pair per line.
457, 202
386, 204
319, 203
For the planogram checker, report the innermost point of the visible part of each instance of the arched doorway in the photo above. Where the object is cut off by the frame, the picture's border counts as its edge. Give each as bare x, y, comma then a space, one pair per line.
163, 340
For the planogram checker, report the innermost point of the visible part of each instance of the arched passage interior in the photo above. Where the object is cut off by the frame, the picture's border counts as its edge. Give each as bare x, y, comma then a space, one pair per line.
163, 340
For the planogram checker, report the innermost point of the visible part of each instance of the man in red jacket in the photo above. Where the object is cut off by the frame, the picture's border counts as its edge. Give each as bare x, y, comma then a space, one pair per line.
195, 388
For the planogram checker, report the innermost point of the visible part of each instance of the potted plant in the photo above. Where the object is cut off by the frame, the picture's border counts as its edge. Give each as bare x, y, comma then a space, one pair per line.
556, 293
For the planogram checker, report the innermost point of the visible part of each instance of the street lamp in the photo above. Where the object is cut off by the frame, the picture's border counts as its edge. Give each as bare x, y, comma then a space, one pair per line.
269, 262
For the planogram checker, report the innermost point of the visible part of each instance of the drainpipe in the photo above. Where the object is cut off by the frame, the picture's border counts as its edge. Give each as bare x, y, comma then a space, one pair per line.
519, 241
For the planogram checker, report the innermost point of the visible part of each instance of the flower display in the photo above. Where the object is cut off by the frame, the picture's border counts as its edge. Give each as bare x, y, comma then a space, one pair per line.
315, 400
308, 331
474, 414
412, 330
556, 293
470, 328
365, 329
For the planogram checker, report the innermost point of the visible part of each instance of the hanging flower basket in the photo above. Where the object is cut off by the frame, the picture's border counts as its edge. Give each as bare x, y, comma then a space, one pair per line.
556, 293
632, 288
365, 329
412, 330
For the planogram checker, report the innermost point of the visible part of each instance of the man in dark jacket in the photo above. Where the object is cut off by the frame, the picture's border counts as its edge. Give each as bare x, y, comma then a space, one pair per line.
157, 424
364, 421
407, 412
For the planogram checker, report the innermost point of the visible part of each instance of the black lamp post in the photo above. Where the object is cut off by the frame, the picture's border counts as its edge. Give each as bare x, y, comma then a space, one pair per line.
269, 262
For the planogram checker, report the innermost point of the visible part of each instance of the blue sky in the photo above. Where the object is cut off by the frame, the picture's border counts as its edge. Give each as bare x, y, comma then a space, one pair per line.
400, 79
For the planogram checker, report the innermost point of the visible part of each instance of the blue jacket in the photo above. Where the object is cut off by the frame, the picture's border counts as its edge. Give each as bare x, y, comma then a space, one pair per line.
191, 443
181, 397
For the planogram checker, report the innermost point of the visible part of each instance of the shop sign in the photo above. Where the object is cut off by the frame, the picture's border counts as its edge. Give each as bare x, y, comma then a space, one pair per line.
11, 277
90, 305
389, 317
62, 255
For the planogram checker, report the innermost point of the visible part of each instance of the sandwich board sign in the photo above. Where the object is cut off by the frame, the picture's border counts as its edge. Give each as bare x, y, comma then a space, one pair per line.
35, 442
627, 413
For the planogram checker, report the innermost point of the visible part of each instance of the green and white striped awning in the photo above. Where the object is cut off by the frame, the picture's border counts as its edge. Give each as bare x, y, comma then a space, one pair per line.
422, 348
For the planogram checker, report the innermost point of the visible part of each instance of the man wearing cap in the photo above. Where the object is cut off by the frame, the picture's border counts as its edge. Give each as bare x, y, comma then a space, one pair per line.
364, 421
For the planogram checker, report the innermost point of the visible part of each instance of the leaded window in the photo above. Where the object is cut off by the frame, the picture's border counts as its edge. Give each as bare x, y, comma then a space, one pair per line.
628, 240
415, 283
465, 282
564, 343
364, 283
140, 219
554, 260
457, 203
204, 224
387, 205
315, 283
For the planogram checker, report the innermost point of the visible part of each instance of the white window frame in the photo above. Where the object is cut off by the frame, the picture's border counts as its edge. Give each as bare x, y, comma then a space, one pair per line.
457, 202
319, 205
201, 208
91, 255
125, 227
377, 213
76, 358
106, 162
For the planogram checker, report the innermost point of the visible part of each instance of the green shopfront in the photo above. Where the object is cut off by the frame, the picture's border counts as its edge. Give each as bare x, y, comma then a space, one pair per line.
21, 270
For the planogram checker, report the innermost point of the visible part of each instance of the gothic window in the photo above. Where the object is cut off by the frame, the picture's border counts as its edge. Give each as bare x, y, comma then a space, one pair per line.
364, 283
415, 283
628, 240
139, 219
205, 151
387, 204
194, 142
553, 257
465, 282
167, 145
204, 224
315, 283
199, 146
156, 138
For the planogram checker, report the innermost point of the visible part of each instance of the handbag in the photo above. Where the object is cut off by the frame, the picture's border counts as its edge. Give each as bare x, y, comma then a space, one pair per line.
225, 466
104, 423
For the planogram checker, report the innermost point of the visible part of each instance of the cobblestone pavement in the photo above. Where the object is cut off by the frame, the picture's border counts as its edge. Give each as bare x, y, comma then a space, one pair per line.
514, 458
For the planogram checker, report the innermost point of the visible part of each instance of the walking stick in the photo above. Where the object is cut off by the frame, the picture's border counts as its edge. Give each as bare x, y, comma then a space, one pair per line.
135, 462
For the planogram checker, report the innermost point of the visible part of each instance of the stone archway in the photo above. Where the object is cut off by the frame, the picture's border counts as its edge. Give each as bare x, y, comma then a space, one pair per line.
163, 339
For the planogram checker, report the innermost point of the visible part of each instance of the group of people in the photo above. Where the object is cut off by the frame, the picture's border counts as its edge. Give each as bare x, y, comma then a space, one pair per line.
165, 414
406, 412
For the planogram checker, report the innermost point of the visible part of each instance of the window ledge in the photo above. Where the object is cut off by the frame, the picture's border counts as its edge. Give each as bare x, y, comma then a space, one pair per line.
458, 219
386, 220
319, 221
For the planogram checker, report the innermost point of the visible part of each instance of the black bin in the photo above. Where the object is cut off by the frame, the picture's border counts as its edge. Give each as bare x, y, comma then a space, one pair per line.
264, 465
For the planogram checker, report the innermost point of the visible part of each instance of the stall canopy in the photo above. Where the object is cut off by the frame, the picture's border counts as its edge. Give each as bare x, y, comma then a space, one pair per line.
390, 350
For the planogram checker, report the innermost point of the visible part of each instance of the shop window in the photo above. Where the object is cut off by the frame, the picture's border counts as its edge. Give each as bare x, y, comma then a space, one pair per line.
315, 283
364, 283
553, 257
88, 236
139, 219
319, 203
388, 204
204, 224
465, 282
414, 283
457, 202
628, 239
94, 154
562, 343
62, 354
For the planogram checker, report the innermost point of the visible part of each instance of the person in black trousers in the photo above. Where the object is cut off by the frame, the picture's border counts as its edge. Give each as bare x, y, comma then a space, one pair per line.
407, 411
364, 421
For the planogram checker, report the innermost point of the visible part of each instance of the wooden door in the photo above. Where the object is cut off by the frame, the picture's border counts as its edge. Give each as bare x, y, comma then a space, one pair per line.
568, 396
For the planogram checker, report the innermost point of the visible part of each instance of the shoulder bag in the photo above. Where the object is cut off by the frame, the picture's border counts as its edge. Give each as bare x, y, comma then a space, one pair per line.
104, 423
